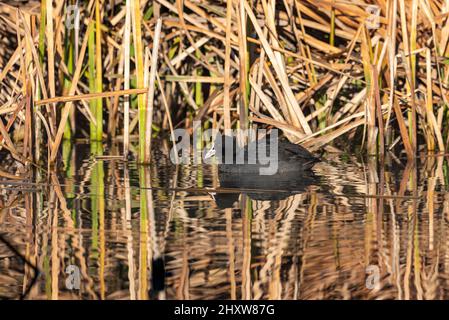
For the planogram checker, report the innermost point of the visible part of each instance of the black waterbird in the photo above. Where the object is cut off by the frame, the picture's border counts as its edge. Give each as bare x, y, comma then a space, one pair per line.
236, 159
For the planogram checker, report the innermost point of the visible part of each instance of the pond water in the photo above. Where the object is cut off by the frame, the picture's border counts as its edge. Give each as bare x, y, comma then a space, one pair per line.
102, 228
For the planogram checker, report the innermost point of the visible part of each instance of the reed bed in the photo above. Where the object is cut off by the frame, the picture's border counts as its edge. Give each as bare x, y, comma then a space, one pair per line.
329, 74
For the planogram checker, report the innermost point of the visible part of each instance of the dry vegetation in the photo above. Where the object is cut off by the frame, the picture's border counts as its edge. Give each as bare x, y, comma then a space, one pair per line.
135, 69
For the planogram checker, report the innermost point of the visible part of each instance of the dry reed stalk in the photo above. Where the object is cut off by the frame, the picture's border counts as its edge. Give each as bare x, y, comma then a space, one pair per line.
410, 80
98, 74
138, 55
126, 57
378, 106
194, 79
50, 49
167, 110
92, 82
244, 66
151, 89
227, 66
254, 99
432, 123
90, 96
392, 62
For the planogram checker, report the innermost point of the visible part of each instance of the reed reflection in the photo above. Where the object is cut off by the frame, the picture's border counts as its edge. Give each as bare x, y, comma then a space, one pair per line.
155, 232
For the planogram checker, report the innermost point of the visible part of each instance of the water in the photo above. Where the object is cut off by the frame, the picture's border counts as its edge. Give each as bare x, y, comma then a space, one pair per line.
353, 231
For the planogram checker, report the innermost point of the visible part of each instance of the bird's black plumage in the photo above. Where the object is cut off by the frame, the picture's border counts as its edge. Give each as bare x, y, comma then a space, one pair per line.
290, 157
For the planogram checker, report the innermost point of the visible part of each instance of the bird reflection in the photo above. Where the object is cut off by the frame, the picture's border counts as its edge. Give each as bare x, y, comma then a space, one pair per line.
261, 187
158, 275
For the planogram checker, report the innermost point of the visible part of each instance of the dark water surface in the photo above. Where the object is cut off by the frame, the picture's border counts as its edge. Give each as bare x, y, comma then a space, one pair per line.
351, 230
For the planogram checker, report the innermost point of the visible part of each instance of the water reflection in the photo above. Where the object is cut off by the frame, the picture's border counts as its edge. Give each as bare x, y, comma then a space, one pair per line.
156, 232
261, 187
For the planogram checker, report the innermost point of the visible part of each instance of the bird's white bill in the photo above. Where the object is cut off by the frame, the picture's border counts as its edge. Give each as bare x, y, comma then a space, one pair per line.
210, 153
212, 194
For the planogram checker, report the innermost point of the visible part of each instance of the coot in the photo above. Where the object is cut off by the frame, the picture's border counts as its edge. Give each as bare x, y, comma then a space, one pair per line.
287, 157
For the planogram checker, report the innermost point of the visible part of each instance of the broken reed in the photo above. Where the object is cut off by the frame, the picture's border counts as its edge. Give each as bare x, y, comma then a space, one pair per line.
315, 70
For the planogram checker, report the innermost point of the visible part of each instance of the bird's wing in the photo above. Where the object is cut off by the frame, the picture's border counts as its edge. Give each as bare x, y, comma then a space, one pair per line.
296, 150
